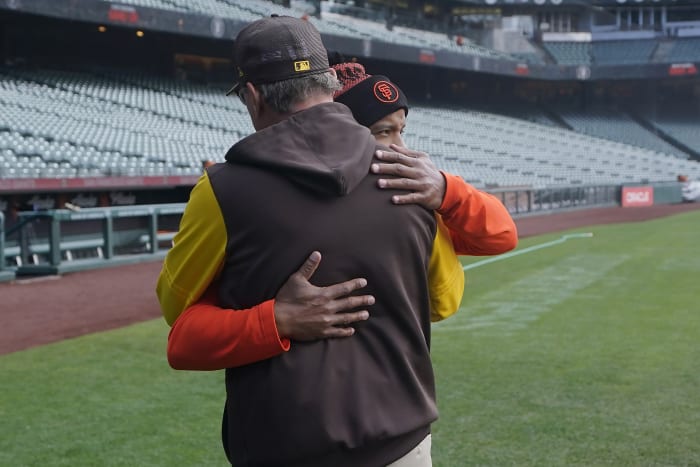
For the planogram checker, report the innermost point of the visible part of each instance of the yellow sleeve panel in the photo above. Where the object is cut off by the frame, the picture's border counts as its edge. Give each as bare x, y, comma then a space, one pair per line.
197, 254
445, 276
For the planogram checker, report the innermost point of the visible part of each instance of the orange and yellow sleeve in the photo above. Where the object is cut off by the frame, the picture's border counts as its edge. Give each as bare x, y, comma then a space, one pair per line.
203, 335
478, 223
208, 337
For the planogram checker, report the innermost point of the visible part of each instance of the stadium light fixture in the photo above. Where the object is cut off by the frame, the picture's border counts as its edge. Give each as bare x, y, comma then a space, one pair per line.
102, 28
139, 33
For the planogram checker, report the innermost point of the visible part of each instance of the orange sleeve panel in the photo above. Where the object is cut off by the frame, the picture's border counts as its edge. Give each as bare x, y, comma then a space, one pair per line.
207, 337
478, 222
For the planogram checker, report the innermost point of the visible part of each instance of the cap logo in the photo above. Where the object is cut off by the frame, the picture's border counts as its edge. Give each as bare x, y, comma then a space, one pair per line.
302, 65
385, 92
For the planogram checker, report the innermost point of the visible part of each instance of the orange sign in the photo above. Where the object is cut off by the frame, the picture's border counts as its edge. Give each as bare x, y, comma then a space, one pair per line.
634, 196
426, 56
122, 14
522, 69
682, 69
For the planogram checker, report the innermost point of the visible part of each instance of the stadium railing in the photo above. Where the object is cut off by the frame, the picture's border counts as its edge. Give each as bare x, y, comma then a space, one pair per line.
61, 240
526, 200
5, 273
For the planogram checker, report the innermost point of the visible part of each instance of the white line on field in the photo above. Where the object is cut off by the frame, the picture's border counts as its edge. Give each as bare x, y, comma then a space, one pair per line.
527, 250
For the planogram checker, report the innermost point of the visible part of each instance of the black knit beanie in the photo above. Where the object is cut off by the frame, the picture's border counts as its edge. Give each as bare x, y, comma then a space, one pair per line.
369, 97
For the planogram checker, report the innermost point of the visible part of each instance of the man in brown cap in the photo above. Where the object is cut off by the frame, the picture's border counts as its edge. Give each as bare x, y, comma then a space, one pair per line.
314, 382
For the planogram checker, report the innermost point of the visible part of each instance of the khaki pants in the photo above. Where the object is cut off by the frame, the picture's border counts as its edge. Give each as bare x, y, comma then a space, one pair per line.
416, 457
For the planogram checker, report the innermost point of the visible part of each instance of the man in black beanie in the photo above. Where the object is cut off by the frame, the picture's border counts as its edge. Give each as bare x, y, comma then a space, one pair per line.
369, 97
477, 222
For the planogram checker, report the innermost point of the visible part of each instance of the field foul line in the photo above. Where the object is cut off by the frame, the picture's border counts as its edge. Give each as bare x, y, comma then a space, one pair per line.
493, 259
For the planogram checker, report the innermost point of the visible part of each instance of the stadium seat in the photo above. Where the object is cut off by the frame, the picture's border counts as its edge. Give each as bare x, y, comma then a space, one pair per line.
77, 124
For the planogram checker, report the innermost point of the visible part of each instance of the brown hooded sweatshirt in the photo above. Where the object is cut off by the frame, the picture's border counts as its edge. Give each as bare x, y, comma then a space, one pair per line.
301, 185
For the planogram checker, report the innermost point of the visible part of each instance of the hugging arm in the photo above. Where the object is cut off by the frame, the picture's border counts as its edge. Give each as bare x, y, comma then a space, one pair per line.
478, 223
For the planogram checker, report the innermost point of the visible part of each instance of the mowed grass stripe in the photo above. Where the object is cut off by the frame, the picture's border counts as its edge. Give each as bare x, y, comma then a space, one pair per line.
600, 369
607, 375
522, 301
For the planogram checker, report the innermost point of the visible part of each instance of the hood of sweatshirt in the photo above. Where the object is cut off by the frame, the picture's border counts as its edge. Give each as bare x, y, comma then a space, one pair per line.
322, 148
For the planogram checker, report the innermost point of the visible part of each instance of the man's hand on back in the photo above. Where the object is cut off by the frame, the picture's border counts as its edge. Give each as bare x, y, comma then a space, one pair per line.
306, 312
416, 172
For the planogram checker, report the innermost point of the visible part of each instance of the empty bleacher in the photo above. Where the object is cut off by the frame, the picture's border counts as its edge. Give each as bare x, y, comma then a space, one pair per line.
73, 124
70, 124
681, 125
685, 50
624, 52
488, 149
569, 53
615, 125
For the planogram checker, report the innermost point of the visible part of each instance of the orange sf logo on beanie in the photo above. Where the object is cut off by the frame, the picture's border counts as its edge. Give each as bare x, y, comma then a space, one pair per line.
385, 92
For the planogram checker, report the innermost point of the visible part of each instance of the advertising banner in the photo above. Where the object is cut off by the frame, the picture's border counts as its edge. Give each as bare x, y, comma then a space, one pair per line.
635, 196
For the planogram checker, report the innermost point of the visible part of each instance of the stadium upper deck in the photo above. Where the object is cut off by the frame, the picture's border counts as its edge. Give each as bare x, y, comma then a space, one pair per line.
569, 40
113, 122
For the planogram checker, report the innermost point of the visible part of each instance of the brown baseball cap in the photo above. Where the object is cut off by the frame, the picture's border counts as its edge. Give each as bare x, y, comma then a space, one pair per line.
276, 49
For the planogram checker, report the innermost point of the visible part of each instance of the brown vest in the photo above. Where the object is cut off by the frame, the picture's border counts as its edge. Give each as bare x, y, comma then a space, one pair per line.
359, 401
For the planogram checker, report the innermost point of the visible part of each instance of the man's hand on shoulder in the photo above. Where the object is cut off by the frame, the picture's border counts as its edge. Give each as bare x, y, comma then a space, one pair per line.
416, 172
305, 312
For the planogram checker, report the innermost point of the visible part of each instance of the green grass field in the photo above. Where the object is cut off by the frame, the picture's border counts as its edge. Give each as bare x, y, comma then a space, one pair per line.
585, 353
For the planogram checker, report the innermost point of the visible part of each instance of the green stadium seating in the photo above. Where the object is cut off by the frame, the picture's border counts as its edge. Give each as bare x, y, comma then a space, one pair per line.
79, 124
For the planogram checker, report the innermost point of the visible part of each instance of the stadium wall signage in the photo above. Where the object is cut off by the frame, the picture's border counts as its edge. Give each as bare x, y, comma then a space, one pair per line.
122, 14
682, 69
636, 196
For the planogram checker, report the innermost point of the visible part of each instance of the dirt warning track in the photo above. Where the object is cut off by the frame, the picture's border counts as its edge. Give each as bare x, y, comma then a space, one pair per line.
48, 309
